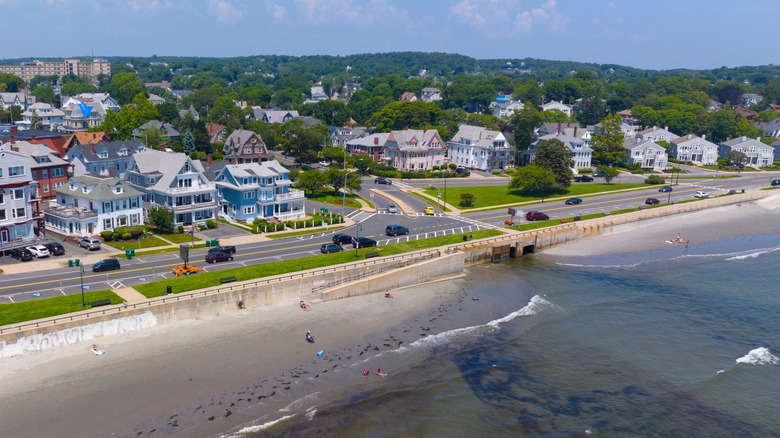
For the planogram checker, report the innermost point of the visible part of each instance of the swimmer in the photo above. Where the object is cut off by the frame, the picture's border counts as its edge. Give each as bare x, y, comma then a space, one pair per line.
388, 294
380, 373
365, 372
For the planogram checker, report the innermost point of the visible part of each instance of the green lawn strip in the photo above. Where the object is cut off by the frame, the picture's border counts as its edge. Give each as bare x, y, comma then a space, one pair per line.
164, 250
299, 233
149, 242
48, 307
430, 201
209, 279
706, 177
501, 195
178, 238
331, 197
370, 204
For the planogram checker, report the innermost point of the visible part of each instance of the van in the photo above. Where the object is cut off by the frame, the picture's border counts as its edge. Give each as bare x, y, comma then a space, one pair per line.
106, 265
395, 230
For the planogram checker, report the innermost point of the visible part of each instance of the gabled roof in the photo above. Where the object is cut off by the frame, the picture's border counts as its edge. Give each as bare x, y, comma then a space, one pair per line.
166, 165
265, 169
633, 143
102, 189
478, 135
369, 140
86, 137
36, 152
408, 96
423, 138
568, 140
744, 141
112, 148
166, 128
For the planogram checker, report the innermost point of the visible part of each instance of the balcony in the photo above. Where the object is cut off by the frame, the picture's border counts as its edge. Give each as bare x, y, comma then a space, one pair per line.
293, 194
199, 188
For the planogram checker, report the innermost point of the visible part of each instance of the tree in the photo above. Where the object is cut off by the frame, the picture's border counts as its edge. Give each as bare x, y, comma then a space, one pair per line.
363, 162
11, 83
592, 109
467, 200
553, 155
608, 143
161, 218
188, 146
309, 180
533, 179
736, 157
153, 138
44, 94
36, 122
609, 173
124, 87
333, 153
335, 179
76, 88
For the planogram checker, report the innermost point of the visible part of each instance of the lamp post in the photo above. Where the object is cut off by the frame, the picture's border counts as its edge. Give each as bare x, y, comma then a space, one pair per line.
438, 196
344, 189
445, 193
357, 239
83, 303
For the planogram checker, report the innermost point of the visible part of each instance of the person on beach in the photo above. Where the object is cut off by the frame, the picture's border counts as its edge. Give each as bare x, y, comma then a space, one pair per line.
124, 305
365, 373
309, 337
304, 306
388, 294
380, 373
94, 348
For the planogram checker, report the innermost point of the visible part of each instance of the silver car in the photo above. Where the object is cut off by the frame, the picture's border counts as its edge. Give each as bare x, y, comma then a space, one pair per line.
90, 243
391, 208
39, 251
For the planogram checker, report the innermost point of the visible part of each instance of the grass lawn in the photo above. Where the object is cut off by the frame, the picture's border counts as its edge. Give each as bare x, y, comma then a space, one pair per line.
499, 195
209, 279
164, 250
178, 237
149, 242
430, 201
333, 198
48, 307
299, 233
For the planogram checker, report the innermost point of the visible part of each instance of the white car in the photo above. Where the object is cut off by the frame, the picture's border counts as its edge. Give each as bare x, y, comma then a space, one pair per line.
324, 163
39, 251
701, 194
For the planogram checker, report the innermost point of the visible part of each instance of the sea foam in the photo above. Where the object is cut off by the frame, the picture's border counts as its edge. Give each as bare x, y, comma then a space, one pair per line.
258, 428
759, 356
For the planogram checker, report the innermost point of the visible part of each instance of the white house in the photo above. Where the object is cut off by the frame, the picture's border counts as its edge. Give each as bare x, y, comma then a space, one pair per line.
478, 148
756, 153
645, 152
16, 193
89, 205
657, 134
507, 109
559, 106
51, 118
695, 149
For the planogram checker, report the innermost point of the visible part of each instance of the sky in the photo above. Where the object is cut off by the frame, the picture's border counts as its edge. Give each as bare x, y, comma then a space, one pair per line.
655, 34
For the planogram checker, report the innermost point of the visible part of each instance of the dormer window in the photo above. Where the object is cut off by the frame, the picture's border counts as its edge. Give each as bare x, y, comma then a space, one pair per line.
123, 152
103, 154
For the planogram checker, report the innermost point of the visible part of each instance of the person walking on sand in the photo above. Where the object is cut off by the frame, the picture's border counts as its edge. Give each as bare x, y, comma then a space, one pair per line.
388, 294
124, 305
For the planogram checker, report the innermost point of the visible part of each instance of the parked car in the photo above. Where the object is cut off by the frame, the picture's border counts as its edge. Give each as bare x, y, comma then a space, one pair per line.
775, 182
395, 230
701, 194
225, 249
429, 210
324, 163
39, 251
54, 248
462, 171
534, 215
652, 201
573, 201
106, 265
90, 243
218, 256
363, 242
383, 180
22, 254
583, 178
391, 208
341, 239
665, 189
328, 248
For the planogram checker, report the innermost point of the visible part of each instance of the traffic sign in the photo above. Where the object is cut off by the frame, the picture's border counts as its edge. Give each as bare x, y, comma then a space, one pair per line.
372, 194
87, 287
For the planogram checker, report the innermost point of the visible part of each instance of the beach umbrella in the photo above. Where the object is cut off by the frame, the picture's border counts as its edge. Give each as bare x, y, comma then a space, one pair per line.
319, 353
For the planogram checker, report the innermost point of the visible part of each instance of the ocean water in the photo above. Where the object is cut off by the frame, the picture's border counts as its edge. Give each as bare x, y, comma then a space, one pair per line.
673, 342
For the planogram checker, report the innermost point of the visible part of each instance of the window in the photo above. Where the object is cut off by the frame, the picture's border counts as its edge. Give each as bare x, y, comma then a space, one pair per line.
44, 173
57, 184
122, 221
249, 195
45, 188
107, 224
249, 210
56, 172
20, 212
134, 219
18, 194
16, 171
1, 172
2, 215
35, 174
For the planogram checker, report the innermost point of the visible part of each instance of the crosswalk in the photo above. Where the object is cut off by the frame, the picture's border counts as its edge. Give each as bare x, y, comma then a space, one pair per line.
476, 223
360, 216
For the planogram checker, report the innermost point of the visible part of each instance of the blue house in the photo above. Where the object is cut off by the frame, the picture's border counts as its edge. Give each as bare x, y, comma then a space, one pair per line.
249, 191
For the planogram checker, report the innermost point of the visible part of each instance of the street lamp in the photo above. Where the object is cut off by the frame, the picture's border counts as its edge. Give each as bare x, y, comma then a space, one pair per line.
438, 196
357, 239
83, 303
344, 189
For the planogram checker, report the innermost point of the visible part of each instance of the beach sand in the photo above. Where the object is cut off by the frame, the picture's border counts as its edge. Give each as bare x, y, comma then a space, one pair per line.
187, 378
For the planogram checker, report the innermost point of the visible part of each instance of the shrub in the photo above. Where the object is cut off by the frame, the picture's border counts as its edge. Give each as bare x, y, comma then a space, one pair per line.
180, 230
453, 166
435, 167
136, 233
107, 235
127, 236
585, 170
210, 224
496, 172
654, 179
467, 200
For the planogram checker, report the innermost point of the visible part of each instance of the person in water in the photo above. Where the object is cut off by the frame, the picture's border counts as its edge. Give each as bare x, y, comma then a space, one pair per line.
304, 306
365, 372
380, 373
388, 294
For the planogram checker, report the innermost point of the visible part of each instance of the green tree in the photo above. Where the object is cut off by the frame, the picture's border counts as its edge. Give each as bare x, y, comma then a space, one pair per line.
11, 83
335, 179
300, 140
608, 143
553, 155
467, 200
736, 157
609, 173
363, 163
333, 153
533, 179
124, 87
76, 88
309, 180
525, 121
35, 121
44, 94
153, 138
161, 218
188, 146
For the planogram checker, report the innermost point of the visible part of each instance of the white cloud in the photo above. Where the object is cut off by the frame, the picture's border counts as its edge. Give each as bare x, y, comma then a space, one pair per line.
324, 11
278, 12
468, 12
225, 11
141, 5
611, 4
545, 16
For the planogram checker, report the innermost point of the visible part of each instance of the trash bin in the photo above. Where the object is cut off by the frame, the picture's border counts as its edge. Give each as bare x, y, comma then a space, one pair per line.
208, 243
465, 237
168, 290
132, 252
70, 263
77, 262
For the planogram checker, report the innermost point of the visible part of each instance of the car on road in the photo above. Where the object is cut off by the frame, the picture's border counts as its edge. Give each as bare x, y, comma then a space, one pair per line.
395, 230
363, 242
225, 249
324, 163
218, 256
383, 180
573, 201
55, 248
534, 215
39, 251
22, 254
652, 201
665, 189
429, 210
775, 182
106, 265
328, 248
392, 209
701, 194
583, 178
90, 243
342, 239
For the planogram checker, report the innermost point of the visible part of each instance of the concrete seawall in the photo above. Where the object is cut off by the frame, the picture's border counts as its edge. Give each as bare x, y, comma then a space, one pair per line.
341, 281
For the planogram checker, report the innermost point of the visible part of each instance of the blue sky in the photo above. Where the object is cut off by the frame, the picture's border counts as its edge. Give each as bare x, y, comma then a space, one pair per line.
654, 34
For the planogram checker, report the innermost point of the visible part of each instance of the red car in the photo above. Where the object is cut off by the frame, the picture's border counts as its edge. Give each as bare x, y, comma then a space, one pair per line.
218, 256
651, 201
536, 216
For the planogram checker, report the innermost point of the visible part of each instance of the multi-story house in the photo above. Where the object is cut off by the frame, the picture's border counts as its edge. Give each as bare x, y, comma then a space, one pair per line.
169, 134
430, 94
216, 132
106, 102
244, 146
103, 158
507, 109
89, 205
657, 134
273, 116
81, 117
692, 148
756, 153
478, 148
582, 154
17, 188
373, 145
173, 181
340, 136
22, 100
47, 169
50, 118
646, 153
414, 150
559, 106
88, 70
250, 191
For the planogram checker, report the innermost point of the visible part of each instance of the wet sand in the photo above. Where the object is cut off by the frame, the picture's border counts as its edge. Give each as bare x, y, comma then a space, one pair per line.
188, 378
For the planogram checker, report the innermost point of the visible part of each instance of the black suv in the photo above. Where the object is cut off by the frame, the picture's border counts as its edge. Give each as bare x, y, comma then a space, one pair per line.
363, 242
583, 178
394, 230
383, 180
775, 182
342, 238
54, 248
225, 249
23, 254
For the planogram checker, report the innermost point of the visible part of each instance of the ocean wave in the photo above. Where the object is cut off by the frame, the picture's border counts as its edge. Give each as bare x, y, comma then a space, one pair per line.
731, 256
759, 356
753, 253
257, 428
629, 266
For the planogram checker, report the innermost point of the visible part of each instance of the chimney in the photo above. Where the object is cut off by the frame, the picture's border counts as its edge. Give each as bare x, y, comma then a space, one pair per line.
575, 130
559, 127
15, 148
259, 159
744, 138
232, 160
111, 172
704, 136
376, 140
689, 136
406, 128
425, 129
208, 160
666, 128
13, 129
92, 147
11, 138
758, 138
241, 127
163, 120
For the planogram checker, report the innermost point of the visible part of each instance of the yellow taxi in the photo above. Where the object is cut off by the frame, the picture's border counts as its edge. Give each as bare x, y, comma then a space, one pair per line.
430, 210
